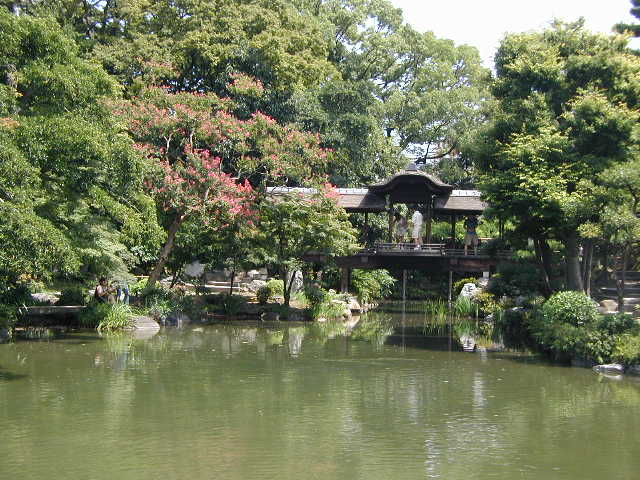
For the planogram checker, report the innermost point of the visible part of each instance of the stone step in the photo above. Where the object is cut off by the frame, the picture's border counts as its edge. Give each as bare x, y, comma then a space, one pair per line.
628, 291
629, 275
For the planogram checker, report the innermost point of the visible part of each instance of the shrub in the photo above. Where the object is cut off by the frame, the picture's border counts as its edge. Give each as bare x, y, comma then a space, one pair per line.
276, 286
315, 295
627, 350
457, 286
73, 296
8, 317
231, 304
617, 323
516, 278
513, 326
264, 294
487, 303
371, 285
138, 287
493, 247
573, 308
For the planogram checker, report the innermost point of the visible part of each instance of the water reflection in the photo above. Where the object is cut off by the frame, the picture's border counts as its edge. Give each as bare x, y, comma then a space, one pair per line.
306, 401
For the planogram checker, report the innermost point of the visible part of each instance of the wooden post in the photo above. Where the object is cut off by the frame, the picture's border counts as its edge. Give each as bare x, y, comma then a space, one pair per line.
366, 229
344, 280
450, 287
453, 231
429, 220
391, 224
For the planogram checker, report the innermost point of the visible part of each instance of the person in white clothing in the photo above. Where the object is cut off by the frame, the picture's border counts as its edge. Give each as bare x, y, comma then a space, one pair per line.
416, 219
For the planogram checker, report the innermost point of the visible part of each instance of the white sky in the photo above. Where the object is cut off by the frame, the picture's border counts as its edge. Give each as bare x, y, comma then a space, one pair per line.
483, 23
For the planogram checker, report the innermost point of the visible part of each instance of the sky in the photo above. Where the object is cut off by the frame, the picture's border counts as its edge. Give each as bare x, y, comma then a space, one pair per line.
484, 23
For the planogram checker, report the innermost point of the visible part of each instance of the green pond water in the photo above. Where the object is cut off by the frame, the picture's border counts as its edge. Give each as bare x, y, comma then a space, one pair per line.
305, 402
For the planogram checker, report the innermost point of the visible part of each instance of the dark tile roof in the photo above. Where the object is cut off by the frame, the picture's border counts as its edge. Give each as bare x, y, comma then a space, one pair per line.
460, 201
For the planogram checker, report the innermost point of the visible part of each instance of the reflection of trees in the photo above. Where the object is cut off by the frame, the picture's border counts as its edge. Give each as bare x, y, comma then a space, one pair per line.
353, 413
374, 327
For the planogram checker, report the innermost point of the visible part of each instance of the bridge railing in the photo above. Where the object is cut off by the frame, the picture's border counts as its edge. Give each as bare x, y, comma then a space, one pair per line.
435, 249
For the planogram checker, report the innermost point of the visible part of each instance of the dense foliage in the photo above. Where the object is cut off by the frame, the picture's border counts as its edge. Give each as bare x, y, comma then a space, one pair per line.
566, 119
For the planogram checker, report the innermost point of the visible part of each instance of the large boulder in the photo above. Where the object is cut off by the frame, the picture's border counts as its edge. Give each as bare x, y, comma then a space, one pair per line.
469, 290
608, 306
44, 298
614, 368
254, 285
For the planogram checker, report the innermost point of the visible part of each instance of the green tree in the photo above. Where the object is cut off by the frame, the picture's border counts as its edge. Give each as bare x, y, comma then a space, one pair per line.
69, 178
632, 28
567, 110
293, 225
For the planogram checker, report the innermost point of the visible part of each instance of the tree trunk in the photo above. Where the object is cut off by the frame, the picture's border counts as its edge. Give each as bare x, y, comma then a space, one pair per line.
543, 253
233, 277
164, 253
587, 264
621, 277
287, 286
176, 275
572, 259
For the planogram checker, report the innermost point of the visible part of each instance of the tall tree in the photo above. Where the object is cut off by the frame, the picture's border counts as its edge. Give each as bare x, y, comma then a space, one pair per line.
632, 28
69, 179
567, 111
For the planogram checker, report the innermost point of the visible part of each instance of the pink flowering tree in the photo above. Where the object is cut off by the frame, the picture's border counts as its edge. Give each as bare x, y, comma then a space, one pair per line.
206, 164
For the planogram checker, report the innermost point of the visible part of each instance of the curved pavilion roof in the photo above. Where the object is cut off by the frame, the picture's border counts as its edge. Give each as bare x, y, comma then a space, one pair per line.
411, 176
407, 186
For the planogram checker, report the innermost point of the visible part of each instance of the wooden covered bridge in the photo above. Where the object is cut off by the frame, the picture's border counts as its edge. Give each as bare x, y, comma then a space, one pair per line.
436, 200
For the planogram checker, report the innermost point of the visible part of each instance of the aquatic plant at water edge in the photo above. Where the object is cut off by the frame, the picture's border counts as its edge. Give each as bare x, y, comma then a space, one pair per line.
118, 317
465, 307
93, 314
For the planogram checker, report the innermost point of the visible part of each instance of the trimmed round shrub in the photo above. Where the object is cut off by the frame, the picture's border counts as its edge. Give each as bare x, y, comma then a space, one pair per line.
73, 296
276, 287
573, 308
264, 294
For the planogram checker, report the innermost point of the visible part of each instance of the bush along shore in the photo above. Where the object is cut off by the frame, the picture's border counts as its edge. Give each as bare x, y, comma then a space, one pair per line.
175, 306
568, 327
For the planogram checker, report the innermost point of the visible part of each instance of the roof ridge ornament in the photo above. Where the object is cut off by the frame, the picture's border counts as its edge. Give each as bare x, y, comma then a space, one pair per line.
411, 167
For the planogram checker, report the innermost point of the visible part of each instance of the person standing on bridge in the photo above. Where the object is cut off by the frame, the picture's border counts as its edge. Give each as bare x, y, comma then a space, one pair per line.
416, 219
470, 236
402, 228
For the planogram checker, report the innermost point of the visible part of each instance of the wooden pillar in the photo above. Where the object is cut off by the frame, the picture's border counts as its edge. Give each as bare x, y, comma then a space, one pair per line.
366, 229
453, 231
429, 219
344, 279
391, 224
450, 287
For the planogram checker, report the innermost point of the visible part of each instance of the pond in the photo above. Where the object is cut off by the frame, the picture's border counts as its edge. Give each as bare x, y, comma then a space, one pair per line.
305, 402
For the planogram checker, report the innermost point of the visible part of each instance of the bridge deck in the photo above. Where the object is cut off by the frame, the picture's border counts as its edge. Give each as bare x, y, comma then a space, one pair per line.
432, 256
